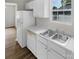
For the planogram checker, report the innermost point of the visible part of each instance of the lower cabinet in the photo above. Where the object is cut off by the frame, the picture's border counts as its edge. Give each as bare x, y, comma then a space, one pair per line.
19, 37
53, 55
31, 42
42, 51
69, 55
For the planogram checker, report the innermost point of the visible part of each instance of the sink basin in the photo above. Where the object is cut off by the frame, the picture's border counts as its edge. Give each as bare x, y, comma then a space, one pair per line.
48, 33
54, 35
60, 37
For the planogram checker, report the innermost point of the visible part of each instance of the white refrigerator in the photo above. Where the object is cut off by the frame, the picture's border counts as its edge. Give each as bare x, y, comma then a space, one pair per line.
24, 19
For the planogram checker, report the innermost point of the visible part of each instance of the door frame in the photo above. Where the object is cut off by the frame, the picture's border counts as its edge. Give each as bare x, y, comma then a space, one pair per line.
15, 5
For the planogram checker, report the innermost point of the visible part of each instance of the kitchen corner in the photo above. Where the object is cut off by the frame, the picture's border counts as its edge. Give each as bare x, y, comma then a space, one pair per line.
45, 28
66, 50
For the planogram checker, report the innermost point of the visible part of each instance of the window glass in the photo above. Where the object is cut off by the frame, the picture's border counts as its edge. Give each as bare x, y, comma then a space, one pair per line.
61, 10
57, 4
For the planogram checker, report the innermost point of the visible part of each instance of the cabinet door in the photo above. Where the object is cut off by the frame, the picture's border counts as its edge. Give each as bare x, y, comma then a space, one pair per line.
31, 42
28, 19
41, 8
42, 51
54, 55
30, 5
69, 55
20, 36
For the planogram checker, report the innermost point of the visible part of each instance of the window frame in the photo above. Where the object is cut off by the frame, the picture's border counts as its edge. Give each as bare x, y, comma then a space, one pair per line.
63, 22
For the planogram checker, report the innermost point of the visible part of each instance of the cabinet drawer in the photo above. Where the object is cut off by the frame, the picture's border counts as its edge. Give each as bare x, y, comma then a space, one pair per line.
43, 40
69, 55
54, 55
61, 51
41, 51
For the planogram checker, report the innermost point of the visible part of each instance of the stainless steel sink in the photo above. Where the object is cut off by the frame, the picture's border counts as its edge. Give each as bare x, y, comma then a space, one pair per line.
55, 35
60, 37
48, 33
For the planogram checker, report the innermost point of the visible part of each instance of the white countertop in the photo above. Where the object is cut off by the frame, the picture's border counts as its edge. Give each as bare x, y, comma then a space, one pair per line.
36, 29
69, 45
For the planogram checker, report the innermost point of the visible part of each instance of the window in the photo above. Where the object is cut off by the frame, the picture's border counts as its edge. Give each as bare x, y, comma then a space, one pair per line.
61, 10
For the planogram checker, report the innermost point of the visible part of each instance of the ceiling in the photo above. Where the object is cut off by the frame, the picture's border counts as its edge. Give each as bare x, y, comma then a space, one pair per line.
20, 3
17, 0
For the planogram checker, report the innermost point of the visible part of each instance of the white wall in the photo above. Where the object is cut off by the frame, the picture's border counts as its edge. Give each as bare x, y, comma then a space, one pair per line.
20, 3
29, 5
53, 25
41, 21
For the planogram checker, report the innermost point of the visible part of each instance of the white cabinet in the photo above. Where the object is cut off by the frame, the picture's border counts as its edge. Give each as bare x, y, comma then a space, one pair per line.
30, 5
19, 35
46, 52
23, 21
57, 48
46, 49
69, 55
31, 42
41, 8
41, 48
25, 17
54, 55
42, 51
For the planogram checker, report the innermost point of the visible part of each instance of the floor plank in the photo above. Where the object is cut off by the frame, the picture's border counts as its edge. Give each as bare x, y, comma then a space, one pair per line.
12, 48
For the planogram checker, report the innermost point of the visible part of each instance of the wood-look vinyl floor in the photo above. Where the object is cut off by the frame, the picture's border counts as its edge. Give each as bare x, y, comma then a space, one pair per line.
12, 48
